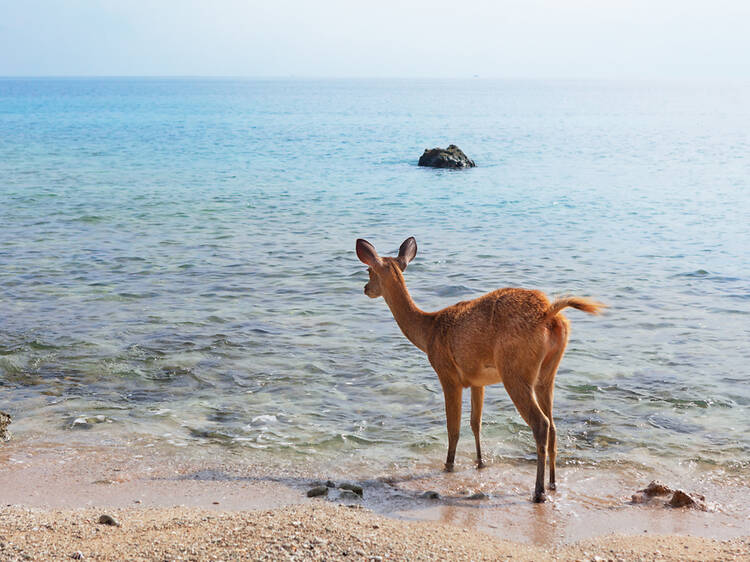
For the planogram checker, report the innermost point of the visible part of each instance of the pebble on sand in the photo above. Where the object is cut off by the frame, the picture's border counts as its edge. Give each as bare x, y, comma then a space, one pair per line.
105, 519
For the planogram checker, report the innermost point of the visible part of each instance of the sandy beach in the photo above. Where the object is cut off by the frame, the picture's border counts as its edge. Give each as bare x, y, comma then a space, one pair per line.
172, 507
314, 531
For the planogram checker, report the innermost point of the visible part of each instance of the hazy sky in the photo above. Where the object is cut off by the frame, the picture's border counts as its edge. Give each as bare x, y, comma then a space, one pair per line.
435, 38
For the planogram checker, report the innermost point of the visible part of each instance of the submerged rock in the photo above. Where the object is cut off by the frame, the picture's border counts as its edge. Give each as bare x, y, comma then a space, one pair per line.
451, 157
5, 420
87, 422
478, 496
430, 495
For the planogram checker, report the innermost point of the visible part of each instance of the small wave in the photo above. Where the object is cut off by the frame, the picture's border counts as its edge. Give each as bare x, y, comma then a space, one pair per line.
665, 422
264, 419
89, 218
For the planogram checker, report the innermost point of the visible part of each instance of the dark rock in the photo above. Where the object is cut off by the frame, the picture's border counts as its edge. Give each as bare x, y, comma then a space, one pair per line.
349, 495
430, 495
683, 499
108, 520
655, 488
451, 157
353, 487
330, 484
5, 420
478, 496
317, 491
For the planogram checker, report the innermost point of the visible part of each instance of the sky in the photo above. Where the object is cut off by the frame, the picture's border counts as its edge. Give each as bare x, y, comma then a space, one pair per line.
681, 39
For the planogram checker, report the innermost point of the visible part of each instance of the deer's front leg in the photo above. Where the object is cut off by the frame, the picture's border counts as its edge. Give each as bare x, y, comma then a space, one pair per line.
452, 395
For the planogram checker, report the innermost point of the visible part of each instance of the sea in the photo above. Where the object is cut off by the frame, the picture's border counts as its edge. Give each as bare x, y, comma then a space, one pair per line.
177, 264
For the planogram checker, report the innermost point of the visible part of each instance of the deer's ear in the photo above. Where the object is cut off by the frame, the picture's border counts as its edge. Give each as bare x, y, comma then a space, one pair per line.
406, 252
366, 253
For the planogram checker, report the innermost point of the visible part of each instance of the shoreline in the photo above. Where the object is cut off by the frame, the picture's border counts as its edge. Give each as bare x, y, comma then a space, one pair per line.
75, 483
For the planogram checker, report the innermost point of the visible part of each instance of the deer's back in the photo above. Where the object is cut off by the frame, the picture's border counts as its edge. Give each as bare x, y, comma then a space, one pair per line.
469, 333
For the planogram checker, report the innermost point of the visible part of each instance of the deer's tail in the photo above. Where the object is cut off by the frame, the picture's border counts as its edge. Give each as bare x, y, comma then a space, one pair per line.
587, 305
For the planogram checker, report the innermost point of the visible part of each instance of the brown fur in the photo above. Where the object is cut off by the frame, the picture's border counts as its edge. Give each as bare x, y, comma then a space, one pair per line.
513, 336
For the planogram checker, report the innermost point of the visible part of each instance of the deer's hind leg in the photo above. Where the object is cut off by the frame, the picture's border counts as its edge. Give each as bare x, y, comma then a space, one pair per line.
520, 386
545, 389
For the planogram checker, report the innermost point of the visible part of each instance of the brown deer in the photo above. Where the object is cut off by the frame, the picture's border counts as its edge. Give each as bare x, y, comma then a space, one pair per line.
513, 336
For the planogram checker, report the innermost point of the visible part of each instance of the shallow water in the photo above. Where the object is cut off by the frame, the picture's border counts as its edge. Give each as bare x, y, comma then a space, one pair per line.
177, 262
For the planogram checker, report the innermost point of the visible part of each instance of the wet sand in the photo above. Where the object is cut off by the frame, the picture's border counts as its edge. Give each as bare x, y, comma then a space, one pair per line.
162, 499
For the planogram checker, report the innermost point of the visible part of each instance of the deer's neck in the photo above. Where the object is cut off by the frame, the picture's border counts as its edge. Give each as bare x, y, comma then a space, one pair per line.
414, 323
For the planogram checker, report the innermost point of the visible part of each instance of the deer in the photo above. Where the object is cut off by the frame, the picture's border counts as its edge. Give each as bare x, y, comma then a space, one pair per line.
511, 335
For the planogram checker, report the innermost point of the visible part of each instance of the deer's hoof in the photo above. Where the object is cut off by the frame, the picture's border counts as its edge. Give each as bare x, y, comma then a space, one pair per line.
481, 464
449, 467
540, 497
552, 486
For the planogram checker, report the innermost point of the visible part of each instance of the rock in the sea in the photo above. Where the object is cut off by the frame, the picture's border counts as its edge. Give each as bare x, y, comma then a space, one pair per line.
478, 496
5, 420
451, 157
430, 495
330, 484
352, 487
317, 491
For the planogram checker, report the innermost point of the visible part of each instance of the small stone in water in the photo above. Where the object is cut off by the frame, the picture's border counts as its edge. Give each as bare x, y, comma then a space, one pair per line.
349, 495
478, 496
330, 484
352, 487
430, 495
317, 491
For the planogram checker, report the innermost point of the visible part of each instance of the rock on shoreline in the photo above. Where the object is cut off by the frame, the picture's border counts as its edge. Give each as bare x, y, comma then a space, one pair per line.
5, 420
451, 157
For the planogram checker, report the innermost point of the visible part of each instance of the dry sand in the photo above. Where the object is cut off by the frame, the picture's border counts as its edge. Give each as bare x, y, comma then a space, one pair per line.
316, 531
51, 499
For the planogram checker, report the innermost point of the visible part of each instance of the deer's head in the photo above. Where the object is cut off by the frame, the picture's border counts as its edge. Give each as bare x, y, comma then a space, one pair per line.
382, 270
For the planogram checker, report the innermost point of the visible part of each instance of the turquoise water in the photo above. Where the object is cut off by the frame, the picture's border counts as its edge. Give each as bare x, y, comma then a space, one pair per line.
177, 261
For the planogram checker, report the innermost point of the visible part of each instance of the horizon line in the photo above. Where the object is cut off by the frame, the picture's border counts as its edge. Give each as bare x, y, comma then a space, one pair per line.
722, 79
